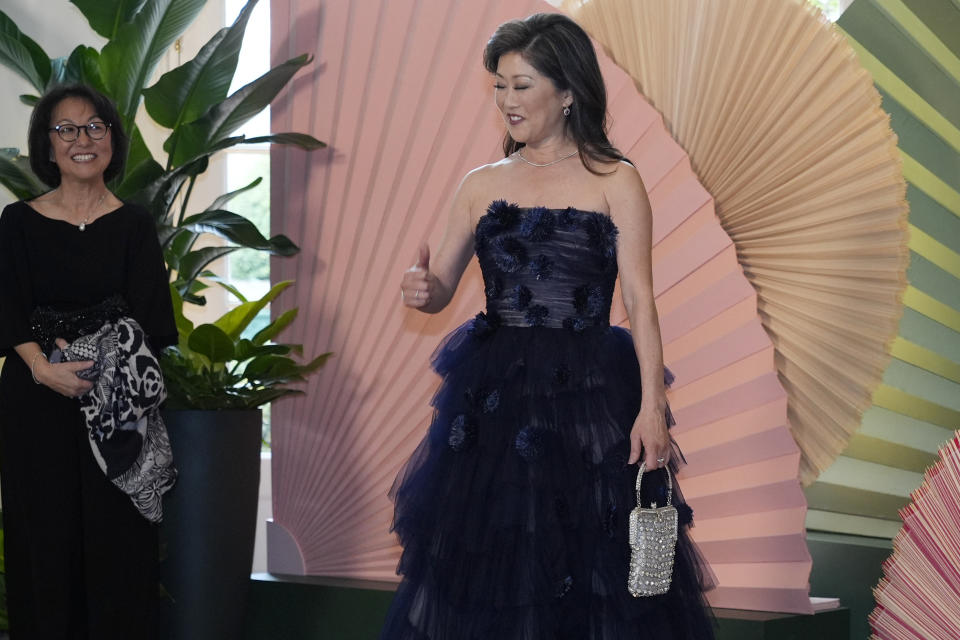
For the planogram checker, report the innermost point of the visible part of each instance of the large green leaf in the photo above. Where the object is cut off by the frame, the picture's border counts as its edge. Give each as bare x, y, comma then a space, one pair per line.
184, 325
139, 153
192, 289
235, 321
128, 60
245, 349
185, 93
82, 67
240, 230
223, 118
272, 368
227, 197
275, 369
194, 262
107, 16
270, 331
141, 171
209, 275
301, 140
211, 341
158, 195
58, 70
175, 242
22, 55
15, 175
137, 179
316, 363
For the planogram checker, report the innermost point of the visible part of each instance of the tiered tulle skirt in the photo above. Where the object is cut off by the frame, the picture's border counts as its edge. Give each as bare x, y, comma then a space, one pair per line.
513, 509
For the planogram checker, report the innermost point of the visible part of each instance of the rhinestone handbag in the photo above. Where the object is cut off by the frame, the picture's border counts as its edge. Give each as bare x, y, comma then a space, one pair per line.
653, 544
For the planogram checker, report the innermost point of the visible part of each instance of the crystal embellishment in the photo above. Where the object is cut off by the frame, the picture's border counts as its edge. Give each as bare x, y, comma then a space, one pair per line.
653, 544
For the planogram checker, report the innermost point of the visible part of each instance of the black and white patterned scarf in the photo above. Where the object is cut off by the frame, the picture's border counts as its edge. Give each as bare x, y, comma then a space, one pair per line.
121, 411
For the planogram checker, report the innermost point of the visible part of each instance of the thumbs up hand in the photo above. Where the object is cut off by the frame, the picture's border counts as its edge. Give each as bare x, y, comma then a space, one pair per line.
418, 283
423, 258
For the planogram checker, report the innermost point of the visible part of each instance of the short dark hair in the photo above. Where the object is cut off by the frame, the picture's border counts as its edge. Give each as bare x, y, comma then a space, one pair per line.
561, 50
39, 136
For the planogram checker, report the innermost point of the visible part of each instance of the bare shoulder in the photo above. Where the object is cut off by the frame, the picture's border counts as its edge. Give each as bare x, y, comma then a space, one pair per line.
625, 192
623, 181
486, 174
478, 185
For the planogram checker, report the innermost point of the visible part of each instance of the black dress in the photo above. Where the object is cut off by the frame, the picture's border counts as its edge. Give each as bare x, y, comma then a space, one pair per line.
80, 560
513, 510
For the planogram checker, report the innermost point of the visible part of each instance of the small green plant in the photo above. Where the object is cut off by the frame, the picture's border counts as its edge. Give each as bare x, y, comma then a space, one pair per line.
213, 366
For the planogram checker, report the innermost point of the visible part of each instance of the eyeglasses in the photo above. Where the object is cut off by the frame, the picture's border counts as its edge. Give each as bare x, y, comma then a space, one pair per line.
70, 132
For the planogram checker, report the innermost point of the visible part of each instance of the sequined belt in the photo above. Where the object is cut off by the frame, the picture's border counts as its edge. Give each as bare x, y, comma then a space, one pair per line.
48, 323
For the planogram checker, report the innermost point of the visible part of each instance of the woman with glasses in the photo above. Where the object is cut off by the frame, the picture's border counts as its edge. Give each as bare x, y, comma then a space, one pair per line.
81, 561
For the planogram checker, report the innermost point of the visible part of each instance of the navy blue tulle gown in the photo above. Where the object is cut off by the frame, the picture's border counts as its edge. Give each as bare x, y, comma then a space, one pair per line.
512, 511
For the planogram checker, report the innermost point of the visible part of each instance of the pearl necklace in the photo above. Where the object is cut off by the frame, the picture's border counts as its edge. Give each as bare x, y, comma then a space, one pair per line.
546, 164
83, 223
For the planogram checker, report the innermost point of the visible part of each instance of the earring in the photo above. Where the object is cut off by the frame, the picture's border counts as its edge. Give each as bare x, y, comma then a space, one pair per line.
566, 111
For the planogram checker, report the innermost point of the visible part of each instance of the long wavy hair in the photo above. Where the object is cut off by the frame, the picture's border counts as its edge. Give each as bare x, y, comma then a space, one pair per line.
558, 48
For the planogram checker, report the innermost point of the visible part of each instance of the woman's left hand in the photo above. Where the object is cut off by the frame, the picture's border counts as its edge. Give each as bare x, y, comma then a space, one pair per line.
649, 434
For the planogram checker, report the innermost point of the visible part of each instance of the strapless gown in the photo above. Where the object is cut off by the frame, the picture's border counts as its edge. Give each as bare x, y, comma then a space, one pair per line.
512, 511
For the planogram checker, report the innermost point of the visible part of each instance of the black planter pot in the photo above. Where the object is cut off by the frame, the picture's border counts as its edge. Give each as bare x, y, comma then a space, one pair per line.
209, 522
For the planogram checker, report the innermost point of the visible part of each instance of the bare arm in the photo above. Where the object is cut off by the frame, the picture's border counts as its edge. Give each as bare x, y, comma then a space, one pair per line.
429, 286
630, 211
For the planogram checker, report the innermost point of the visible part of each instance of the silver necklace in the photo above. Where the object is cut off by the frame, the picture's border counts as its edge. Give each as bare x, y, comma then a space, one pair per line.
83, 223
545, 164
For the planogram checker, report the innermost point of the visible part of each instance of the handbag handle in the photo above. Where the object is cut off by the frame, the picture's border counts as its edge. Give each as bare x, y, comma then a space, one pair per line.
643, 467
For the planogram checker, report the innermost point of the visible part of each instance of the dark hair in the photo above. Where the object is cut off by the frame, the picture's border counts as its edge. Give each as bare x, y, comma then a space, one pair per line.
39, 135
559, 49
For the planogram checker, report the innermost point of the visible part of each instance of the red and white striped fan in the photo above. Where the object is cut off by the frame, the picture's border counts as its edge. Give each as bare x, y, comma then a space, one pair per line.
919, 594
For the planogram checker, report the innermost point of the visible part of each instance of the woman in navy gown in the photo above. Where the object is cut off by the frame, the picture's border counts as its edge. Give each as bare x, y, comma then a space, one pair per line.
513, 509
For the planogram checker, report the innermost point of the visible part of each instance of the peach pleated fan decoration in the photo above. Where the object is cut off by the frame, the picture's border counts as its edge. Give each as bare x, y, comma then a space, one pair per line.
399, 93
785, 130
919, 593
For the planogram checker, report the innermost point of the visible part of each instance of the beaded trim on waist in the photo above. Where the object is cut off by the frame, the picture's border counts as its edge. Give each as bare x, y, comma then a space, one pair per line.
49, 323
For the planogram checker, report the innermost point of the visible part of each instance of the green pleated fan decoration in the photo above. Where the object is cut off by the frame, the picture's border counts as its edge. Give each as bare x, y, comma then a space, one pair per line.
912, 50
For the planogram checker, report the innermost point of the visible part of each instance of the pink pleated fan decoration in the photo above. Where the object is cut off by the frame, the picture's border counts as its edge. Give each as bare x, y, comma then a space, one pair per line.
786, 130
919, 593
398, 91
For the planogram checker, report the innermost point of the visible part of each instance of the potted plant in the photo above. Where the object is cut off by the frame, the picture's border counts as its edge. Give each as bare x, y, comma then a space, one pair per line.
216, 376
210, 515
